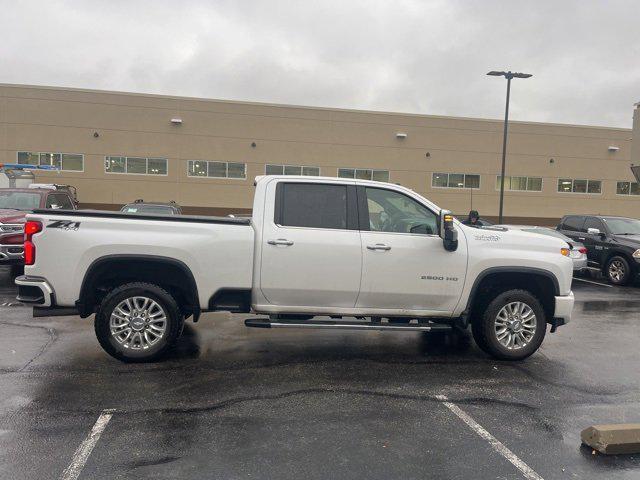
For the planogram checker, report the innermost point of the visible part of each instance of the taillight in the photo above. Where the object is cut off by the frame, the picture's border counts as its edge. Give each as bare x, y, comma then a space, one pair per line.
30, 228
582, 250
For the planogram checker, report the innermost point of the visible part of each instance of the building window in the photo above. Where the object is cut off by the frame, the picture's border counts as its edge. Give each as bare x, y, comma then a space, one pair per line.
73, 162
528, 184
628, 188
135, 165
568, 185
364, 174
455, 180
202, 168
292, 170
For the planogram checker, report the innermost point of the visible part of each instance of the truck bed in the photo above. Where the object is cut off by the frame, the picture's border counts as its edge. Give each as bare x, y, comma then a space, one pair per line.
146, 216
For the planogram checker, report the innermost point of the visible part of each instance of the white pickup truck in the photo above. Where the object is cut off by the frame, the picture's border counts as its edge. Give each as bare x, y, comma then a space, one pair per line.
368, 255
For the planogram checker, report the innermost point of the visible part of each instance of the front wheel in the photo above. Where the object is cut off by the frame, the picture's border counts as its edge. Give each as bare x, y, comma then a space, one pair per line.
138, 322
512, 326
618, 270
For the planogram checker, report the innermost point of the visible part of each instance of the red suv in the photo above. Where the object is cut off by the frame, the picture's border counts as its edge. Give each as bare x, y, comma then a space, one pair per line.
15, 203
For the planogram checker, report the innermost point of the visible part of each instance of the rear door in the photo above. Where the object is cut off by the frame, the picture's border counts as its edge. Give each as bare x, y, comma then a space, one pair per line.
311, 250
404, 263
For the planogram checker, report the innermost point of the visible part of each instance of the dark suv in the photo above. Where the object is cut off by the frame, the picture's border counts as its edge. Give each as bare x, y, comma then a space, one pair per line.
613, 243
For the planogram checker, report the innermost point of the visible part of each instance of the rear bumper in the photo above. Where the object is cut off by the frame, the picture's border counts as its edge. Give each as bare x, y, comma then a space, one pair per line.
11, 254
563, 309
579, 263
35, 291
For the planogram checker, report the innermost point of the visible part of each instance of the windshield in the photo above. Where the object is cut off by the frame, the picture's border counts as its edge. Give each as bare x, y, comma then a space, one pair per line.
623, 226
153, 209
24, 201
549, 232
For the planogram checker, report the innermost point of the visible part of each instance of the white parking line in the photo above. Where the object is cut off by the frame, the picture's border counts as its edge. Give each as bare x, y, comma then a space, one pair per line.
526, 470
595, 283
84, 450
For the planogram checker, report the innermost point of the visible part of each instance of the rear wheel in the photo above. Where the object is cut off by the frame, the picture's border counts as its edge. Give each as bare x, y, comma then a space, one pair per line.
618, 270
138, 322
511, 327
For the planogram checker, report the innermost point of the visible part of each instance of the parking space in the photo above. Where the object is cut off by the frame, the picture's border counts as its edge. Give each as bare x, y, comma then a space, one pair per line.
233, 402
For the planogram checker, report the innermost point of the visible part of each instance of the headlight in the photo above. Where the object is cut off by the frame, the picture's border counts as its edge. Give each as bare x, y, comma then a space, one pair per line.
636, 254
564, 251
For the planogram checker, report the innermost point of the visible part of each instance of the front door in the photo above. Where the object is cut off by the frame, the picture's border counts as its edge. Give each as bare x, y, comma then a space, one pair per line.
595, 244
311, 250
404, 264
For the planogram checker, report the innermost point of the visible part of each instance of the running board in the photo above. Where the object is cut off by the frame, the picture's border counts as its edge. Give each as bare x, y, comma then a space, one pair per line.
340, 325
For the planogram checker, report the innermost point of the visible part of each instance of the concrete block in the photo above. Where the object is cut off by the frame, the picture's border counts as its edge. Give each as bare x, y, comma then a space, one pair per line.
613, 439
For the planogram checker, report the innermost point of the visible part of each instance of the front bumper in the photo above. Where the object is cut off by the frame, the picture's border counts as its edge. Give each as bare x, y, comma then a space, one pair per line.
563, 310
11, 254
35, 290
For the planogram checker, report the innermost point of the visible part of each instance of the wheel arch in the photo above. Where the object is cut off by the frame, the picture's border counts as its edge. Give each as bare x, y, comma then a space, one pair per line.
110, 271
494, 280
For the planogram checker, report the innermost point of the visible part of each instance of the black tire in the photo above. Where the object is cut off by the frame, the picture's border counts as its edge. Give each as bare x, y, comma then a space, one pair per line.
618, 270
484, 326
137, 353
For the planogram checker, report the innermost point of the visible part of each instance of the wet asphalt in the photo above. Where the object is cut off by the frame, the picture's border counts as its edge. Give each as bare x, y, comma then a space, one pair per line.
233, 402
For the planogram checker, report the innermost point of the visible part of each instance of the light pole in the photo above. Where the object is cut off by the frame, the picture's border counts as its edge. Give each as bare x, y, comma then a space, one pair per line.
508, 75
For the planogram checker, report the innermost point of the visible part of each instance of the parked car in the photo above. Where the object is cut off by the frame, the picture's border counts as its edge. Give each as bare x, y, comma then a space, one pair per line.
15, 203
314, 247
613, 243
578, 252
153, 208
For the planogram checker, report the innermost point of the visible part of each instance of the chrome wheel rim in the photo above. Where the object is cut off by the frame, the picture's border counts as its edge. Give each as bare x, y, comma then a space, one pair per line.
515, 325
138, 323
616, 270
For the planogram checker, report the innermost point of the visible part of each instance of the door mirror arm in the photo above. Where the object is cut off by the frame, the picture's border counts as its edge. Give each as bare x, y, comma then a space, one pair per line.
448, 231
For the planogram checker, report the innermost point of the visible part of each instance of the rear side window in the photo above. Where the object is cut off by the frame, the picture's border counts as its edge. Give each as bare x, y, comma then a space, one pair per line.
573, 224
311, 205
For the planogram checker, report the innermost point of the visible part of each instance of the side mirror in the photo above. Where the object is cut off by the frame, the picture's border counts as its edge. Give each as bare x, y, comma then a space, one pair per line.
448, 231
596, 231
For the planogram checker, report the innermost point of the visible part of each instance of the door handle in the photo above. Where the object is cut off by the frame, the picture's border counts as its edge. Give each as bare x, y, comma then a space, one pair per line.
280, 241
581, 238
379, 246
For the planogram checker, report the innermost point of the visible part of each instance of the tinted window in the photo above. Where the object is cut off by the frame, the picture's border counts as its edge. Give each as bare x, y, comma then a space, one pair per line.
313, 205
60, 200
573, 224
391, 211
19, 200
592, 222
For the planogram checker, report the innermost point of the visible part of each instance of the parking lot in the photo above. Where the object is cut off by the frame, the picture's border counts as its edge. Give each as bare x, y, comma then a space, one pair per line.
233, 402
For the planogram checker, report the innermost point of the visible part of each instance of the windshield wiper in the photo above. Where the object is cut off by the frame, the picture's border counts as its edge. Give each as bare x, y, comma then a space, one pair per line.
628, 233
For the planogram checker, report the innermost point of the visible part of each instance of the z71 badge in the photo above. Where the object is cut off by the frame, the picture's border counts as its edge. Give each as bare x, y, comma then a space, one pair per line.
64, 224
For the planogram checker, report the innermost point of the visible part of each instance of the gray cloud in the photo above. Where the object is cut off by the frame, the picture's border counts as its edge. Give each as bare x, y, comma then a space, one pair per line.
404, 55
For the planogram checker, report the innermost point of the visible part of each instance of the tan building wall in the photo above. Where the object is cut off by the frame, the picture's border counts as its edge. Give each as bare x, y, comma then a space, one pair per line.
43, 119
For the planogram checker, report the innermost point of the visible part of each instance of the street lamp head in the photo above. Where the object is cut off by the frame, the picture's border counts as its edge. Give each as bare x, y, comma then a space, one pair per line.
522, 75
509, 75
494, 73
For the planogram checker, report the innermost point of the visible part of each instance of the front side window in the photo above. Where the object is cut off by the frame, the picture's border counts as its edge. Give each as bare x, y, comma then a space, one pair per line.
312, 205
592, 222
135, 165
395, 212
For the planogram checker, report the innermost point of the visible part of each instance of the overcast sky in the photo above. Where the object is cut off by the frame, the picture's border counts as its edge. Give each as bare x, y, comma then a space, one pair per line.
413, 56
